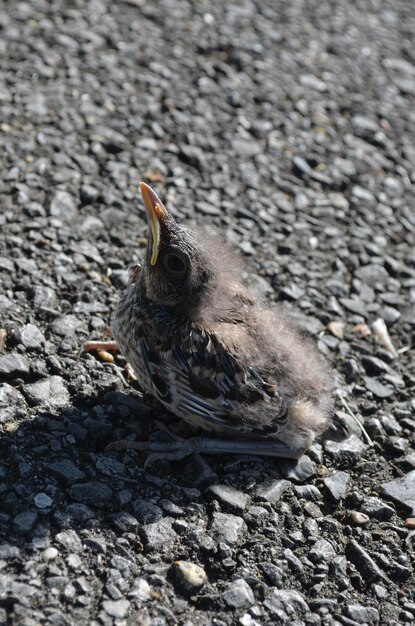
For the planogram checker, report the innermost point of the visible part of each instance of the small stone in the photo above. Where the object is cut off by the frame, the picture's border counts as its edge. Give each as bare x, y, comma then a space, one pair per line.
67, 325
140, 590
272, 490
337, 484
70, 540
189, 576
239, 595
94, 493
159, 535
14, 364
363, 614
374, 507
42, 501
116, 608
31, 337
66, 470
402, 490
336, 329
358, 519
50, 393
350, 450
50, 554
377, 388
63, 206
363, 561
228, 528
371, 274
25, 521
11, 402
229, 497
322, 550
287, 605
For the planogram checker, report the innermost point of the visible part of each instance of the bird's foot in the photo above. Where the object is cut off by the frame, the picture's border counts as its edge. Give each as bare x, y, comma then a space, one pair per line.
181, 448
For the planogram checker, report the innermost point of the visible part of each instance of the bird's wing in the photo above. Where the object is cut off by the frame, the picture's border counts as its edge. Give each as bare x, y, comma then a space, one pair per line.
200, 379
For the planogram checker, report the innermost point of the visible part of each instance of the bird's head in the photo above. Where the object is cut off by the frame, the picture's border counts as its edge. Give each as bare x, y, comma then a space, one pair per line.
176, 271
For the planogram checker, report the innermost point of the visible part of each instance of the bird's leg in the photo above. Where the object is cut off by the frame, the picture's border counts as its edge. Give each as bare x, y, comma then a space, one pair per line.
100, 345
179, 449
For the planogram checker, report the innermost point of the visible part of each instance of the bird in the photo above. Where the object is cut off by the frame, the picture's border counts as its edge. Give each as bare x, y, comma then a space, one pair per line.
214, 355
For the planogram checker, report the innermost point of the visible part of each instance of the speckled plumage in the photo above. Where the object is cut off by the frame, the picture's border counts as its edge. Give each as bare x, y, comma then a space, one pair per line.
210, 353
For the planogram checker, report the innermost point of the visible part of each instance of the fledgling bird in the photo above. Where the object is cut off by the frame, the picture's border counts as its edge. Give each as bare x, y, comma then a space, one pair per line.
201, 344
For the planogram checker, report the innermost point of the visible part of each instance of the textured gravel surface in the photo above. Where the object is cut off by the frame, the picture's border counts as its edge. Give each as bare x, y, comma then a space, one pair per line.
291, 127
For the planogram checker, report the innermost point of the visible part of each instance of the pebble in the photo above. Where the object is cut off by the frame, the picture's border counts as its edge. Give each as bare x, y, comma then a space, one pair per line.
14, 364
25, 521
272, 490
358, 519
377, 509
337, 484
50, 554
63, 206
298, 471
228, 528
230, 498
348, 451
402, 490
322, 550
159, 535
363, 614
42, 501
118, 609
70, 540
377, 388
94, 493
31, 337
66, 470
50, 393
239, 595
287, 605
11, 402
189, 576
363, 561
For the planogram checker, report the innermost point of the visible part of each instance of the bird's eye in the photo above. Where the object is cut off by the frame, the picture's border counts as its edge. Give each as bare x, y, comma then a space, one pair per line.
175, 264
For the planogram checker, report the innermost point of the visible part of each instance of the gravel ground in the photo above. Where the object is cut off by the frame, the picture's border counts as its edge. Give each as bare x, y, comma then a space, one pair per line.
291, 127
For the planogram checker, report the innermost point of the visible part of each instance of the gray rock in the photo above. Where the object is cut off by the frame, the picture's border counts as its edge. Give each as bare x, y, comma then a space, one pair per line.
273, 574
14, 364
287, 605
11, 402
336, 484
272, 490
402, 490
25, 521
375, 508
49, 393
228, 528
140, 590
371, 274
118, 609
67, 326
231, 499
322, 550
147, 512
70, 540
239, 595
31, 337
63, 206
363, 561
363, 614
66, 470
350, 450
377, 388
93, 493
159, 535
42, 501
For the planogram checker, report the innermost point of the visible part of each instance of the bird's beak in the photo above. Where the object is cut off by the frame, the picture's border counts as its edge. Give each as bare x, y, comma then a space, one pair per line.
156, 216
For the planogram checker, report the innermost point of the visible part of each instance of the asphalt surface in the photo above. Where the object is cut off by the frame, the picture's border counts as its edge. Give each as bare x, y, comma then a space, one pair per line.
289, 126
